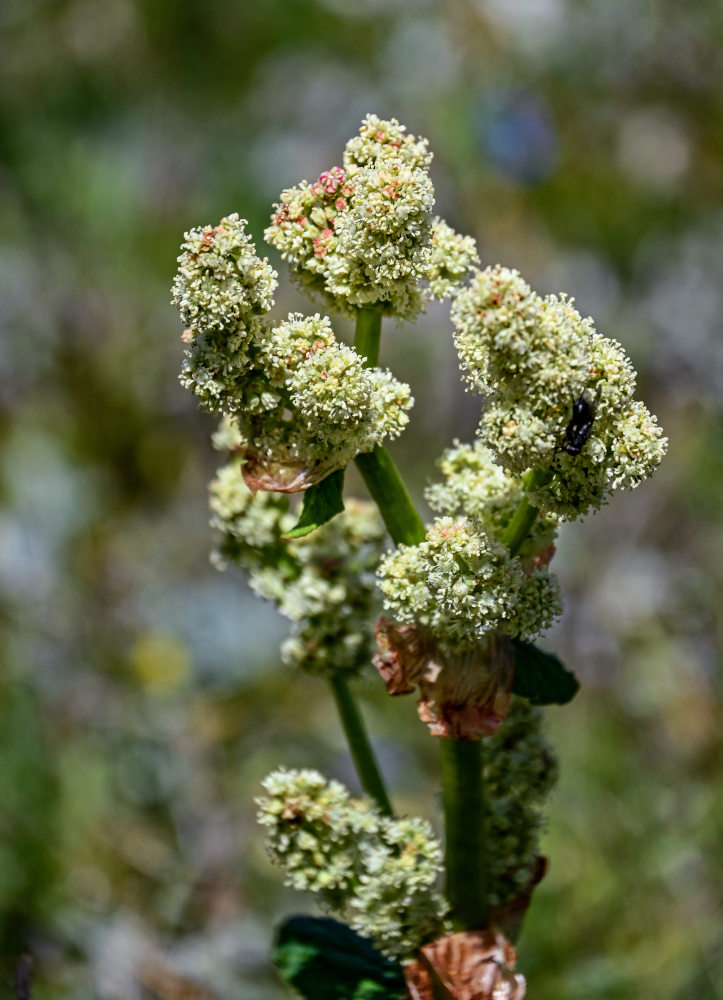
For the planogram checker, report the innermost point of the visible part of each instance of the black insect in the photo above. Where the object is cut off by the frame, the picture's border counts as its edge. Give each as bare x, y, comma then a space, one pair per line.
583, 416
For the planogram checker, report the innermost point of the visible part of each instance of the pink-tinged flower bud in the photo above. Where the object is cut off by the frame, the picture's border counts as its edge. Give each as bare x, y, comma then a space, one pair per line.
331, 180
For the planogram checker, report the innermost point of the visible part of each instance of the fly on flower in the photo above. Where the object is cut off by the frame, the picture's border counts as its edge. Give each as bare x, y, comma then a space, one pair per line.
583, 416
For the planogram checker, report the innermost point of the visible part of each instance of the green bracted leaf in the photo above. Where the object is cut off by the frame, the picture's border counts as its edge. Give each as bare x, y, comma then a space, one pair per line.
323, 959
322, 501
540, 677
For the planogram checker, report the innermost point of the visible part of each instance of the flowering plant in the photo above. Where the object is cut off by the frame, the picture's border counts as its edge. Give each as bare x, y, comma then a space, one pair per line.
465, 597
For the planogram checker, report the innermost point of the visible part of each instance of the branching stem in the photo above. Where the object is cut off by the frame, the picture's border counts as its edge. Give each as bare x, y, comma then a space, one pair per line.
361, 749
525, 516
464, 811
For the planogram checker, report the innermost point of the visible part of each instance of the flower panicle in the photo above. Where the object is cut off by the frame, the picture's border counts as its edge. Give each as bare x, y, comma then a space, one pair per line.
462, 585
379, 872
534, 359
323, 583
363, 234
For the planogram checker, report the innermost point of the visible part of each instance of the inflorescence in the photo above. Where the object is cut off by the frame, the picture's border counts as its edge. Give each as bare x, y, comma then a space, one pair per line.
533, 358
379, 872
559, 431
363, 234
324, 582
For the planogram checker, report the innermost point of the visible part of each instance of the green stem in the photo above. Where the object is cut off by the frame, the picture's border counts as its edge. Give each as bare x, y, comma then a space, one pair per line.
387, 489
367, 335
464, 812
358, 739
464, 821
380, 474
525, 516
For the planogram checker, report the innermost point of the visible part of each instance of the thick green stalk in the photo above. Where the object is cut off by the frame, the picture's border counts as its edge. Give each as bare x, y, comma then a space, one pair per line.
464, 812
525, 516
464, 821
358, 739
380, 474
387, 489
367, 335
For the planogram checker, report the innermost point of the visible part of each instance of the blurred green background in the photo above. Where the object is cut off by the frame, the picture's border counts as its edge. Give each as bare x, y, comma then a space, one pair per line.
141, 698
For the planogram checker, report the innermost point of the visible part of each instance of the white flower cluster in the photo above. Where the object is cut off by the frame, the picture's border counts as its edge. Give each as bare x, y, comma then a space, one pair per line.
461, 585
301, 399
452, 258
363, 234
221, 284
520, 770
533, 359
221, 289
324, 582
379, 872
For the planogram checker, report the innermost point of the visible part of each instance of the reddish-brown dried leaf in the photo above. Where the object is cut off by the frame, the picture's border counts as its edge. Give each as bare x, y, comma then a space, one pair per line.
282, 475
463, 695
470, 965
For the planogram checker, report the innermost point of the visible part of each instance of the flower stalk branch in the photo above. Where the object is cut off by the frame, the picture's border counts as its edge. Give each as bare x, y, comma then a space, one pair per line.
463, 794
526, 514
360, 747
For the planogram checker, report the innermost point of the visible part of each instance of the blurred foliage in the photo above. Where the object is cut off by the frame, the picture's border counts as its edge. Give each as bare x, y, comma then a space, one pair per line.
141, 699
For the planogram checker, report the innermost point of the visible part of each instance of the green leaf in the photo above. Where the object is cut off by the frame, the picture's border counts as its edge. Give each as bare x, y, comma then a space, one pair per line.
325, 960
540, 677
322, 501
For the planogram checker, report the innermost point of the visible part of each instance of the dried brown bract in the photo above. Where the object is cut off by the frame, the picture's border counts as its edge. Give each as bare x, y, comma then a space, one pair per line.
464, 695
470, 965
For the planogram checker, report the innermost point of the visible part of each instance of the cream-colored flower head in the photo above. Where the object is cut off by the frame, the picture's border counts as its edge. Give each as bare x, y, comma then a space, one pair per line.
363, 234
533, 359
331, 406
378, 872
461, 585
222, 289
301, 401
323, 583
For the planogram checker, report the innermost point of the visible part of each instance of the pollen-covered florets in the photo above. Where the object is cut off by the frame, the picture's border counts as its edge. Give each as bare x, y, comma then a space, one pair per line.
380, 873
384, 238
378, 138
395, 902
520, 770
535, 359
452, 257
363, 235
222, 289
221, 283
301, 401
303, 229
313, 828
529, 356
340, 407
324, 583
461, 585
